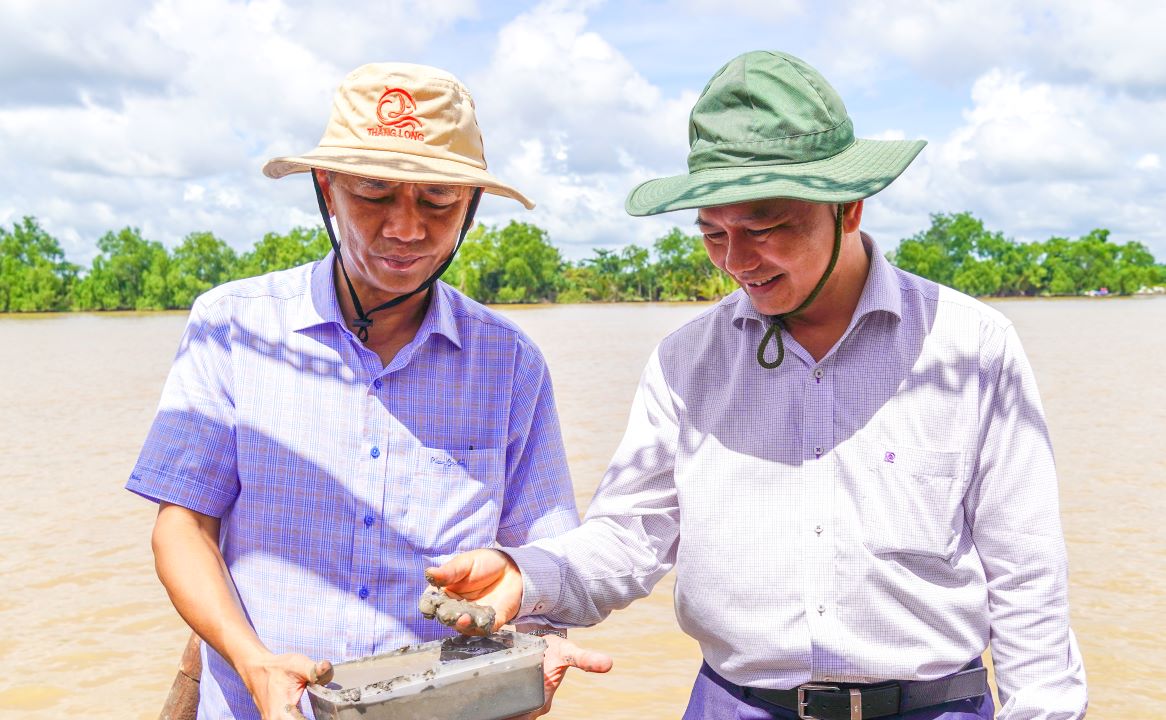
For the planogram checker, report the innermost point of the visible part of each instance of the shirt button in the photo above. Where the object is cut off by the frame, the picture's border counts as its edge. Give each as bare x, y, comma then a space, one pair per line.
819, 372
363, 593
540, 607
375, 452
369, 520
377, 384
817, 451
821, 608
817, 530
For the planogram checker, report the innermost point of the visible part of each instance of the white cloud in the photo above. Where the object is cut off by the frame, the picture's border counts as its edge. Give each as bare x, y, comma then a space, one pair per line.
576, 126
193, 193
765, 10
1114, 44
159, 113
1035, 160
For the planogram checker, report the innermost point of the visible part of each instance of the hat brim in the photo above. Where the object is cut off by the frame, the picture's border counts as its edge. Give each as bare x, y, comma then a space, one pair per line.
392, 166
858, 172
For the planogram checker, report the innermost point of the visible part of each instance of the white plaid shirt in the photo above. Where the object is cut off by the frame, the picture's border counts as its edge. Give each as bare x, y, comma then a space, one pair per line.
339, 481
884, 513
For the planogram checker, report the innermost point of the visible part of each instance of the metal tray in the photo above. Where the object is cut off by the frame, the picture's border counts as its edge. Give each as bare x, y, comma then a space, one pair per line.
458, 678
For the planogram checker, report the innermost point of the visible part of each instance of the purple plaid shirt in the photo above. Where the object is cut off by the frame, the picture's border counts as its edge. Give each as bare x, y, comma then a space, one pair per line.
339, 481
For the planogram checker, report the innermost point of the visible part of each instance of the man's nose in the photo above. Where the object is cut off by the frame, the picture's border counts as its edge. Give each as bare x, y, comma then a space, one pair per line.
740, 255
403, 222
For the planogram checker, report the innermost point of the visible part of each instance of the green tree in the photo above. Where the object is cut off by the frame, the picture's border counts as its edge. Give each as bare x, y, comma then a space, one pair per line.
639, 272
280, 252
531, 270
939, 252
129, 273
578, 284
200, 262
513, 264
683, 269
34, 275
476, 261
607, 274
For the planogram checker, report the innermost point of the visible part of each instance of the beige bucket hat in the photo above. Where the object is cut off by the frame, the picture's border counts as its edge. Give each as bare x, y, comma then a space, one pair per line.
401, 122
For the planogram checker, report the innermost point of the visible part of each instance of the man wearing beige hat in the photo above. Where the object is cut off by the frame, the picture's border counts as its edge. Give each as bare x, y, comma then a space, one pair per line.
847, 465
328, 432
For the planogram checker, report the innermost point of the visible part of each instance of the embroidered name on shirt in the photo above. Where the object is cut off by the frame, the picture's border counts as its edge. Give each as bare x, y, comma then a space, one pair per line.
446, 462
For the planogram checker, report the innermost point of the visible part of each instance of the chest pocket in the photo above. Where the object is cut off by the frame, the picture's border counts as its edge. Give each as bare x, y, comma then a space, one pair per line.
912, 501
454, 500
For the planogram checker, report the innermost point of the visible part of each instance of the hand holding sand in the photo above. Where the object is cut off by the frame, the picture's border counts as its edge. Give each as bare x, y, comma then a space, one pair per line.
486, 577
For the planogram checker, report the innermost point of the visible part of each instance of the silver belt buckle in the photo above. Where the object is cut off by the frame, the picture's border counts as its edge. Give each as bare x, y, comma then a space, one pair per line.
803, 703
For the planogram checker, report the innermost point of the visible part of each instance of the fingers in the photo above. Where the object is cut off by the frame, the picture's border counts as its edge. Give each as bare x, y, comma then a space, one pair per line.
591, 661
466, 626
562, 653
468, 571
321, 673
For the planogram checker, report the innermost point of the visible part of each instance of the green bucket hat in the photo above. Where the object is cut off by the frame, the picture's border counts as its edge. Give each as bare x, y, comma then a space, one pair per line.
769, 126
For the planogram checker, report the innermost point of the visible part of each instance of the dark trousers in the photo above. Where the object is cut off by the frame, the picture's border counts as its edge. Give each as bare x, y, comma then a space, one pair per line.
715, 698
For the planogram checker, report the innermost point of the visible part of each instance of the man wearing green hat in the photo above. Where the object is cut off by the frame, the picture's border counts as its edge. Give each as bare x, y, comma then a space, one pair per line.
847, 465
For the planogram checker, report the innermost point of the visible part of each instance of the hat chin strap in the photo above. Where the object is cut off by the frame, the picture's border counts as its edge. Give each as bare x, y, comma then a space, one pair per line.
363, 322
777, 322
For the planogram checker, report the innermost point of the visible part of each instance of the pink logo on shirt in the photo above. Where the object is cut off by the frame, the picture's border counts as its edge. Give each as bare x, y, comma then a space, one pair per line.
889, 457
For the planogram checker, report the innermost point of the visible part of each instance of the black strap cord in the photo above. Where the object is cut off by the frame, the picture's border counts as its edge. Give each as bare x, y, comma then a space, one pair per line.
363, 322
777, 322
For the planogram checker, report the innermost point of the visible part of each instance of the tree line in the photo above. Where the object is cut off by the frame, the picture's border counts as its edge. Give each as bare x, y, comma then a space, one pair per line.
518, 263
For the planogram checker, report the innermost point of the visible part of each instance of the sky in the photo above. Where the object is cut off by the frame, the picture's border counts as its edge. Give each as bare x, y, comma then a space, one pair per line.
1042, 117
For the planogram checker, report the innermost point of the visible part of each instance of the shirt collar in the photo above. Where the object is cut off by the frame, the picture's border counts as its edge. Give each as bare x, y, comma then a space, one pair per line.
439, 318
881, 291
320, 306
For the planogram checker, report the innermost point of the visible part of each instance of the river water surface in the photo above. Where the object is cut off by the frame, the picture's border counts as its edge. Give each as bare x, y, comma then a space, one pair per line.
87, 631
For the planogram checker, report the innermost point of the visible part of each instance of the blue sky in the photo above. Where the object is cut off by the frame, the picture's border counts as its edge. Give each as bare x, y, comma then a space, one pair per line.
1042, 117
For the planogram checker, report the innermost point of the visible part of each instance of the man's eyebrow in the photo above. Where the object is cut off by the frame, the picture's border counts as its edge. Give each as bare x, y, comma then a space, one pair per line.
758, 214
372, 184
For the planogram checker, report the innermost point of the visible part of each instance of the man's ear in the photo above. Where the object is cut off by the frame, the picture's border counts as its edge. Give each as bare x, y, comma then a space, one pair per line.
324, 178
851, 216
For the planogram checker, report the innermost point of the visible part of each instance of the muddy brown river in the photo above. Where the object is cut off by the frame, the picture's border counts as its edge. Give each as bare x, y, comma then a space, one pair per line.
87, 631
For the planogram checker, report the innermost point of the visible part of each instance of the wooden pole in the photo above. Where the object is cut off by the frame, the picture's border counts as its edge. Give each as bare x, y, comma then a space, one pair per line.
182, 702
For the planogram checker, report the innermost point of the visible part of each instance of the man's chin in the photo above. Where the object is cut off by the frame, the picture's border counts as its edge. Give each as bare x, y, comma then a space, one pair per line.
769, 305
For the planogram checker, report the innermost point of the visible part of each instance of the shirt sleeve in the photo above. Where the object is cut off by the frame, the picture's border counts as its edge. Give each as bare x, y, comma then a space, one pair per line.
539, 499
629, 538
188, 458
1012, 510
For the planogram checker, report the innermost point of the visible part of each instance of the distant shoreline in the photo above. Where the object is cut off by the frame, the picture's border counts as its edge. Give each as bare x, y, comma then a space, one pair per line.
538, 306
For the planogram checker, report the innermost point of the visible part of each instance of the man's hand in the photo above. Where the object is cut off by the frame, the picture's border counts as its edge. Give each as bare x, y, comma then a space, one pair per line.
562, 654
487, 577
276, 683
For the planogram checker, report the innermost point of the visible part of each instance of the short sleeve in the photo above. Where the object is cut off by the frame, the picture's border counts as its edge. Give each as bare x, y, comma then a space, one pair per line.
539, 500
188, 458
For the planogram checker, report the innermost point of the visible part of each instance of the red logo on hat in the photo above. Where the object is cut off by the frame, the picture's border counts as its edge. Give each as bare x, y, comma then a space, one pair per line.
395, 111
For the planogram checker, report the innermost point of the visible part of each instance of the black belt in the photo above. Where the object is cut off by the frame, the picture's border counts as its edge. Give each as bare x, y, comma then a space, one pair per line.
815, 701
